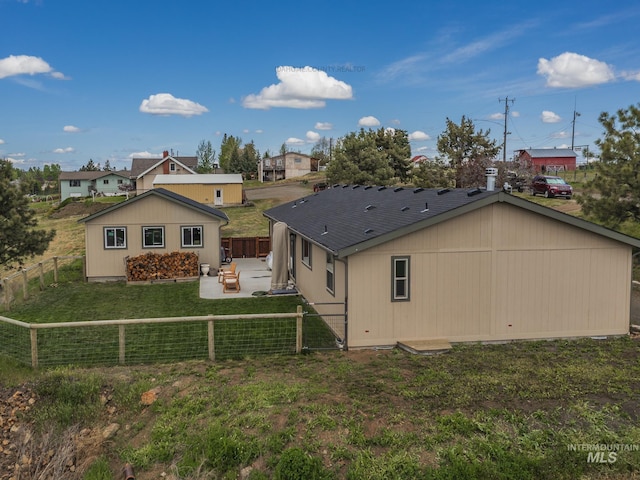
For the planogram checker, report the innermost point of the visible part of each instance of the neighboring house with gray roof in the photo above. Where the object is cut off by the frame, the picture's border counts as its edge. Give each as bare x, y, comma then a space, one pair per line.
430, 265
157, 221
144, 170
82, 184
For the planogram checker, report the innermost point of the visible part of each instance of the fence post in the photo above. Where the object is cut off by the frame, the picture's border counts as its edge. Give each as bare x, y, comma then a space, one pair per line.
121, 343
210, 342
41, 272
7, 294
299, 329
55, 269
34, 347
25, 284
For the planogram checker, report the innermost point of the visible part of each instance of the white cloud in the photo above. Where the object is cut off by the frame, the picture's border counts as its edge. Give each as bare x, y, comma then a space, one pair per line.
496, 116
312, 136
144, 154
515, 114
323, 126
395, 121
166, 104
26, 65
246, 130
421, 149
549, 117
369, 121
71, 129
294, 141
64, 150
1, 141
631, 76
304, 87
259, 131
570, 70
15, 160
390, 130
561, 134
418, 136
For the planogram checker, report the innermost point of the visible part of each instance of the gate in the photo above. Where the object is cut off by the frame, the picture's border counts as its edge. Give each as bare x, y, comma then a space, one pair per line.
326, 330
247, 247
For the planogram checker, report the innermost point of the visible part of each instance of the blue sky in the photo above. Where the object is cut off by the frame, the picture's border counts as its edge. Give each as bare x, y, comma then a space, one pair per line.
112, 80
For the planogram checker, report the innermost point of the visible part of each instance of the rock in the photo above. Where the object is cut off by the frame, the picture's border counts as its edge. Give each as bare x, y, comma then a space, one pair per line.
110, 430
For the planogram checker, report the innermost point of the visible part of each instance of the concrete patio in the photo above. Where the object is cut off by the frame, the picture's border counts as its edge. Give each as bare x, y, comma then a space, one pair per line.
254, 277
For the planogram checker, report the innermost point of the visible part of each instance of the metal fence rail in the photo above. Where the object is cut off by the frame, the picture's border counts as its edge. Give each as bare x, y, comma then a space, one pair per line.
151, 340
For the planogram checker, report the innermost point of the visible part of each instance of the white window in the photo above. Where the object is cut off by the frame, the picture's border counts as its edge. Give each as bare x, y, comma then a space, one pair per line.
172, 167
306, 252
115, 237
152, 237
400, 279
330, 274
192, 236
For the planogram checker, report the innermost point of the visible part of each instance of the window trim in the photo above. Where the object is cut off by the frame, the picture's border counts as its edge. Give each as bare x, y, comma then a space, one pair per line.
191, 227
306, 259
144, 239
172, 167
116, 246
394, 279
330, 269
75, 183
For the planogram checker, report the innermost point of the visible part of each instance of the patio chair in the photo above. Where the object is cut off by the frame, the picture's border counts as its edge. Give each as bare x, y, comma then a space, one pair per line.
223, 271
231, 282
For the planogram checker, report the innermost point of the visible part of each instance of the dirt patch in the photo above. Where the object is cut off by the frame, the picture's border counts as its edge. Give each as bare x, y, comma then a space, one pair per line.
82, 209
285, 192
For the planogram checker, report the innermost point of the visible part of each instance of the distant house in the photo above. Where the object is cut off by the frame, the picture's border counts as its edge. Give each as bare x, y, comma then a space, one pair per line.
289, 165
451, 264
211, 189
548, 159
85, 184
144, 170
419, 160
157, 221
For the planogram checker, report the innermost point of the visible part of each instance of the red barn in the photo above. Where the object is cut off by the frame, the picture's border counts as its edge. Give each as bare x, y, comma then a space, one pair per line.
548, 159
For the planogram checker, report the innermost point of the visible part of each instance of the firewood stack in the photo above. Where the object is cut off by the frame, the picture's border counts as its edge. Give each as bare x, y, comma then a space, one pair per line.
154, 266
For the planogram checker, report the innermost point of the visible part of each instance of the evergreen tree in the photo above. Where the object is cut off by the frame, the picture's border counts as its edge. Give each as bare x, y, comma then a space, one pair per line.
19, 239
617, 179
395, 144
206, 157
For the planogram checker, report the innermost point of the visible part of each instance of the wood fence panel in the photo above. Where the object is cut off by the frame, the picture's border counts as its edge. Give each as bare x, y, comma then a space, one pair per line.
247, 247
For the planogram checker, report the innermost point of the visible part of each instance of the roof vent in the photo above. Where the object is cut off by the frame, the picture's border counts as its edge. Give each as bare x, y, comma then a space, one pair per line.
369, 207
382, 188
442, 191
336, 185
368, 231
345, 186
398, 189
355, 186
325, 231
426, 208
475, 191
367, 187
294, 204
417, 190
404, 209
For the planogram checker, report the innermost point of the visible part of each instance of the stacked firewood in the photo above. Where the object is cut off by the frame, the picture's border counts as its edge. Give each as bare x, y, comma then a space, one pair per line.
154, 266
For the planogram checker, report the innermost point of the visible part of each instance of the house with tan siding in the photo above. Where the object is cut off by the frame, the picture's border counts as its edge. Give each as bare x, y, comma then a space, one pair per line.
457, 265
217, 189
157, 221
144, 170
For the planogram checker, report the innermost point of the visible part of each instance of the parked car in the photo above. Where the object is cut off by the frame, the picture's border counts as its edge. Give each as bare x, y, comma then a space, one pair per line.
319, 186
551, 187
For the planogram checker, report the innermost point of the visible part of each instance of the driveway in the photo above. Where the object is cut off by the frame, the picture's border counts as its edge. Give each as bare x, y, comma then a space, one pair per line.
284, 192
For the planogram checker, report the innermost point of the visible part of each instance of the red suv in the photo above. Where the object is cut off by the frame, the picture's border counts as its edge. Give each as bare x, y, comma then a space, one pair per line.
551, 187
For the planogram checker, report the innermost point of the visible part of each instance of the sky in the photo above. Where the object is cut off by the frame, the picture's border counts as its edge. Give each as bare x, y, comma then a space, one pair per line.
113, 80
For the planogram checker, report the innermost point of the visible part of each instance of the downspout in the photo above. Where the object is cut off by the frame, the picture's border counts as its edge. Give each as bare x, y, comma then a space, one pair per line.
345, 261
632, 284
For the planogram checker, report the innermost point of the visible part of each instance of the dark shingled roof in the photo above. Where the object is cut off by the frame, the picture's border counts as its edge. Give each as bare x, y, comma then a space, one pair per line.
171, 196
346, 219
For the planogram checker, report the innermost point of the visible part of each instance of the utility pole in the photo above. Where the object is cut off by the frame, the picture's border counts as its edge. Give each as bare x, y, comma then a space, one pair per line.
573, 126
506, 116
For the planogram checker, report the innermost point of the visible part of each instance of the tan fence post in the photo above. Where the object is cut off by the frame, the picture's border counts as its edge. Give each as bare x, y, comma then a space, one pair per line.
299, 329
34, 347
210, 341
55, 269
121, 343
25, 284
41, 272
